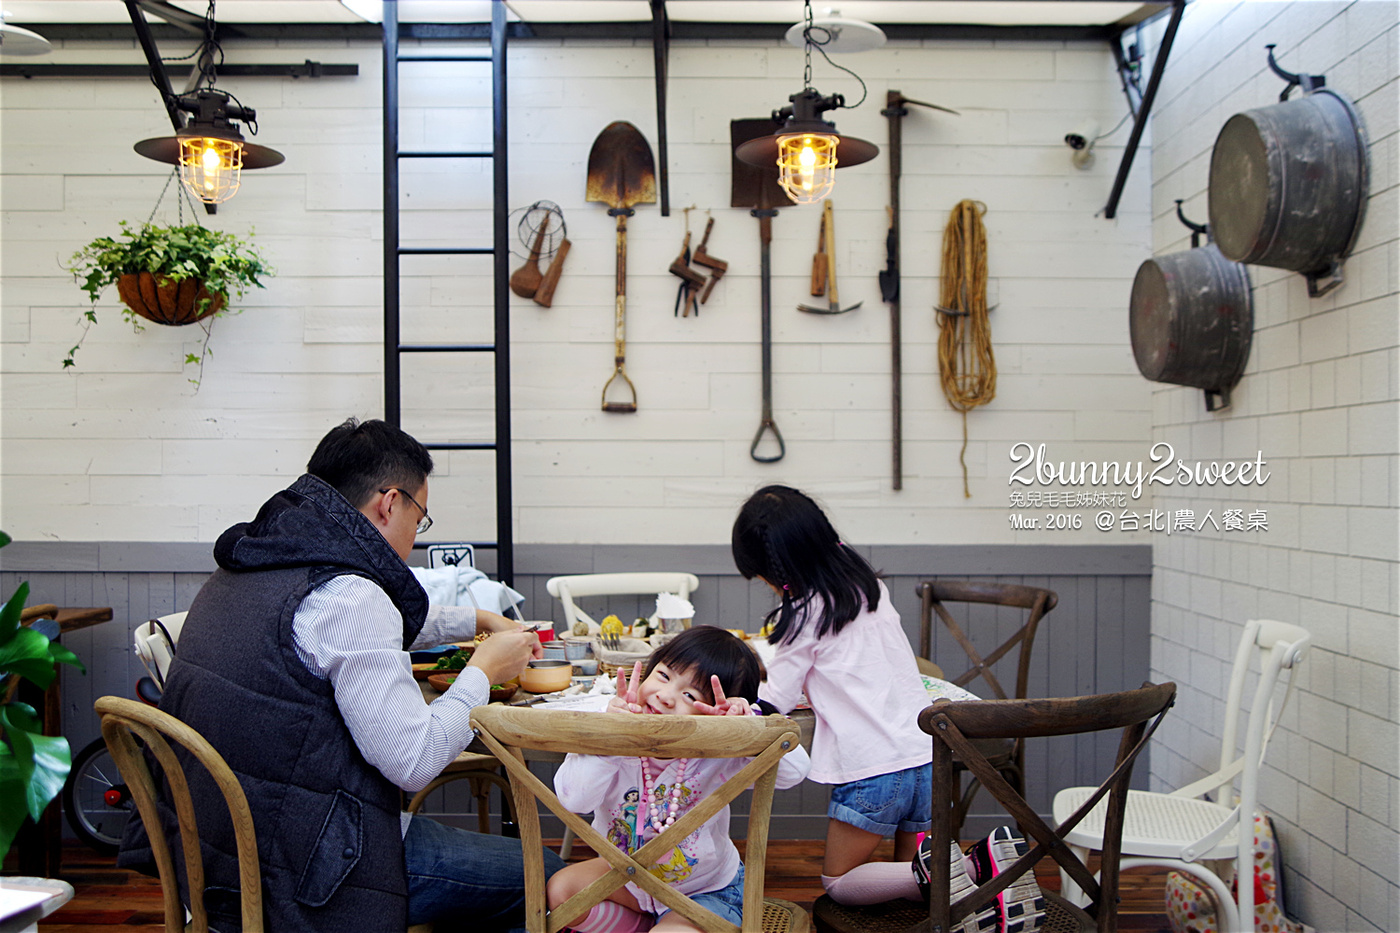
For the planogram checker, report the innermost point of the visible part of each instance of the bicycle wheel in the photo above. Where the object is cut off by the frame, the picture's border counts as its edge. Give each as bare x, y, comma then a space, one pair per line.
96, 800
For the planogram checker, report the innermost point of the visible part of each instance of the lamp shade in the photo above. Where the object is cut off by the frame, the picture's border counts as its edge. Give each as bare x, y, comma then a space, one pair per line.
849, 150
167, 149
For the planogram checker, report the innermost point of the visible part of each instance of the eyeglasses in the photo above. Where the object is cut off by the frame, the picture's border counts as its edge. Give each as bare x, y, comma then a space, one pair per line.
425, 522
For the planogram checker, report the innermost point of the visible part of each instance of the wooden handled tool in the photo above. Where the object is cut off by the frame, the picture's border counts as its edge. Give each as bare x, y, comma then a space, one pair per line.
527, 278
544, 295
819, 260
621, 172
833, 302
717, 267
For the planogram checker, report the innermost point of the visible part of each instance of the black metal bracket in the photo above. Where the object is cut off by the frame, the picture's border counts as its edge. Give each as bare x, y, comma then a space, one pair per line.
1308, 83
1145, 111
661, 56
1196, 229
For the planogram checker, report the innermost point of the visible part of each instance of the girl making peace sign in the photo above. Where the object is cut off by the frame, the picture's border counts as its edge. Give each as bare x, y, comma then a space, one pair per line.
687, 676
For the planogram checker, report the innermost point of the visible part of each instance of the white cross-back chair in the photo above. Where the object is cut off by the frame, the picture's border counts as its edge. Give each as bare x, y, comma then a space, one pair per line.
1182, 829
155, 644
567, 589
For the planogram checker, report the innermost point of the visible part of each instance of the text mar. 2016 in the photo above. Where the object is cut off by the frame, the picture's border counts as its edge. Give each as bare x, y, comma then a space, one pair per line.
1032, 467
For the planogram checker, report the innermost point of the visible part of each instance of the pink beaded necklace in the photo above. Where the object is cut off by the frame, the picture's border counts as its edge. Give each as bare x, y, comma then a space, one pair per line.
658, 821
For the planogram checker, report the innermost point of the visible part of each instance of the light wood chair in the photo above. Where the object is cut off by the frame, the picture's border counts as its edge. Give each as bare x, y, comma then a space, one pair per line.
124, 722
1211, 840
127, 722
570, 588
1006, 754
507, 730
484, 772
956, 728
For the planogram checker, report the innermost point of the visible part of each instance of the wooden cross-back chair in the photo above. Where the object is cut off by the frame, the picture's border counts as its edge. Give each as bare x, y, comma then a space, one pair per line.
124, 722
1008, 755
507, 730
956, 727
127, 728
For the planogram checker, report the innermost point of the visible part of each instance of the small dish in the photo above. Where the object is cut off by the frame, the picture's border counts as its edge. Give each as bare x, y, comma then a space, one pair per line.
440, 682
586, 667
546, 676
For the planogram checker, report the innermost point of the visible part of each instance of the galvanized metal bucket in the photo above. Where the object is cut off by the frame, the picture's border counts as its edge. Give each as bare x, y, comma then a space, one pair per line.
1191, 319
1288, 186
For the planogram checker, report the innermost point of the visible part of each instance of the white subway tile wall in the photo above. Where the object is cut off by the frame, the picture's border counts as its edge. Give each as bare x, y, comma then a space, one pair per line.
1319, 398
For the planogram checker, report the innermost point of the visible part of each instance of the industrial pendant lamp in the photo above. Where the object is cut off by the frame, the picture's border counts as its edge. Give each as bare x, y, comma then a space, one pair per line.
806, 148
209, 148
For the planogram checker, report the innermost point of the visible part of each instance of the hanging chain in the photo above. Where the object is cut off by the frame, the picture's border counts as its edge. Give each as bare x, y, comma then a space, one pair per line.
807, 47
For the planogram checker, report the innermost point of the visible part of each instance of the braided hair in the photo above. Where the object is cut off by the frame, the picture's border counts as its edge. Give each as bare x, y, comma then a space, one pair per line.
784, 537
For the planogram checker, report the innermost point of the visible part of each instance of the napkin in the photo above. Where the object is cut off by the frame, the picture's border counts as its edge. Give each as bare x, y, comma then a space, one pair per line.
466, 586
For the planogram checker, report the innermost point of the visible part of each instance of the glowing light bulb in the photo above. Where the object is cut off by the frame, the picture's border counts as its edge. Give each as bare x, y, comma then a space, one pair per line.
806, 166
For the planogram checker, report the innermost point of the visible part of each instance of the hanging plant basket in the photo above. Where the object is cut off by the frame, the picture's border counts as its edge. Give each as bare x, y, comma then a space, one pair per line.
166, 301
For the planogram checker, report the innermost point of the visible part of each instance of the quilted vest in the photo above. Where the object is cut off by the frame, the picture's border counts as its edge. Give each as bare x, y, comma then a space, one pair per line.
327, 822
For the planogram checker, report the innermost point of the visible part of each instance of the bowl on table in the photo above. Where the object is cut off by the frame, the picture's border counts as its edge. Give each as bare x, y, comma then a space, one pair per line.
546, 676
499, 692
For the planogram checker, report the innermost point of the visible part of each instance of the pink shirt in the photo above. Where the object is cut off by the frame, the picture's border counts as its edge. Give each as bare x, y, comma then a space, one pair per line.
610, 787
865, 690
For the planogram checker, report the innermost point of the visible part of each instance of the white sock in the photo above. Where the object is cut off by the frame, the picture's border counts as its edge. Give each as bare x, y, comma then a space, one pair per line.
873, 883
610, 917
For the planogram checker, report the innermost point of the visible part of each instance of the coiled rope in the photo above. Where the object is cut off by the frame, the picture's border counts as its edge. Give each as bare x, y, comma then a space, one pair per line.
967, 370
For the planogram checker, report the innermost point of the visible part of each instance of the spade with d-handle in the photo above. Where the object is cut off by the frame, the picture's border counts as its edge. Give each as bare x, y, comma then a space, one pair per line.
757, 186
621, 172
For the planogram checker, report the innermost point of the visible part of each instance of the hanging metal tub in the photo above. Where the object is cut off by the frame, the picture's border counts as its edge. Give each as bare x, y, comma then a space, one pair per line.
1191, 319
1288, 183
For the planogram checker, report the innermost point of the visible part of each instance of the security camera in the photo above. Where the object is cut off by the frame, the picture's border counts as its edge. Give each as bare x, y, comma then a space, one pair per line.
1082, 136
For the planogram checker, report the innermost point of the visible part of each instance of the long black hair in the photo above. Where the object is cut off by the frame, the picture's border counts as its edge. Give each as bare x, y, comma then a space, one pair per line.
705, 650
784, 537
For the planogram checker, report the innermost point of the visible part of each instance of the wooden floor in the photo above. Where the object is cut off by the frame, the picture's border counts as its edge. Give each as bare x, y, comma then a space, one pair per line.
114, 900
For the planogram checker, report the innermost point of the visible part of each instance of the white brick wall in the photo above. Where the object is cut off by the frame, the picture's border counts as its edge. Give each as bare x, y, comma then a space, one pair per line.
1319, 398
87, 453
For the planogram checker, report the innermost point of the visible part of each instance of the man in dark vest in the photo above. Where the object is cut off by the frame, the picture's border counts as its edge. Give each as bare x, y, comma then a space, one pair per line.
293, 663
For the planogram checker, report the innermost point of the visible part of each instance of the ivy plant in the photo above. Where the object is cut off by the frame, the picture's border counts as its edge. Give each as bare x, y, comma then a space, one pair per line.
33, 766
226, 264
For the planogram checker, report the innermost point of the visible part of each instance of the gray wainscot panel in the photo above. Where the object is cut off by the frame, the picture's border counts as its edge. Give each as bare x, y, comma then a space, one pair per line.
1095, 641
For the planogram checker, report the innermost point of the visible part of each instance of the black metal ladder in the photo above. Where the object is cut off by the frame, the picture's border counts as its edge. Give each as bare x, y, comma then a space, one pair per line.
394, 348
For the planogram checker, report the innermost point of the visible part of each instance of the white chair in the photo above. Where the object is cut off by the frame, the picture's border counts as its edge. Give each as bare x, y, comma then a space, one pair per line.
155, 644
567, 589
1180, 830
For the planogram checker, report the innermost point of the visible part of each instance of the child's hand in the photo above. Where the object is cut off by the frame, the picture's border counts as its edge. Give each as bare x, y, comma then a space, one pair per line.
626, 699
723, 706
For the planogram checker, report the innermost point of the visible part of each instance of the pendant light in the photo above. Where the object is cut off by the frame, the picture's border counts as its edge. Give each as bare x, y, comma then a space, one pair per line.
209, 148
16, 40
806, 148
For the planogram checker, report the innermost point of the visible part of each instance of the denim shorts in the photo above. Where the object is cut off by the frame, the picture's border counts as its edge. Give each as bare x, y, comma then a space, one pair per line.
901, 800
727, 902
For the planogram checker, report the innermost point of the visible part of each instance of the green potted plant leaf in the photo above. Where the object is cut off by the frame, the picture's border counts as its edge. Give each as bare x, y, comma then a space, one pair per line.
170, 275
33, 766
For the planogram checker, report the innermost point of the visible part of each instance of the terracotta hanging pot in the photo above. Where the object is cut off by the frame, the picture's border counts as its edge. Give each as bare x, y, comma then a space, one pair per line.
165, 301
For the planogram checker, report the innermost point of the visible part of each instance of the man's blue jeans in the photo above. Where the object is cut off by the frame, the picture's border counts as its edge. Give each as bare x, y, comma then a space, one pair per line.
457, 874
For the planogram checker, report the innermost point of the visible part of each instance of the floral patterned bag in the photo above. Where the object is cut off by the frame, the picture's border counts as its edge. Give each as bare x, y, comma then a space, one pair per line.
1191, 909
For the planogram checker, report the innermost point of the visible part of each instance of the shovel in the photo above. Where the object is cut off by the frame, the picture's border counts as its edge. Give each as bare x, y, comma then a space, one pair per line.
758, 186
621, 173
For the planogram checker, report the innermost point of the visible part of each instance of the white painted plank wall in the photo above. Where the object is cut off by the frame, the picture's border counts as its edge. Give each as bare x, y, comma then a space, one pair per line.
1320, 399
122, 448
